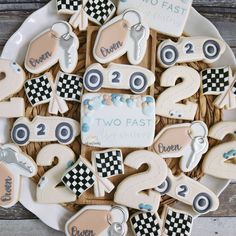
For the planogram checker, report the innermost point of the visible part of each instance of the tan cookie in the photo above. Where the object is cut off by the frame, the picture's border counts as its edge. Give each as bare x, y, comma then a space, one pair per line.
126, 33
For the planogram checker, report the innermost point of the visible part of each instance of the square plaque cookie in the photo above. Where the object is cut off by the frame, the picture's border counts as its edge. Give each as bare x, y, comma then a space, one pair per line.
165, 16
117, 120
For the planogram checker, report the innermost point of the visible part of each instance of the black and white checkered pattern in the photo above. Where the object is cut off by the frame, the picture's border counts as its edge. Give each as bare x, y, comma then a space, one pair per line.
215, 80
72, 5
109, 163
79, 178
38, 90
69, 87
177, 224
145, 224
99, 10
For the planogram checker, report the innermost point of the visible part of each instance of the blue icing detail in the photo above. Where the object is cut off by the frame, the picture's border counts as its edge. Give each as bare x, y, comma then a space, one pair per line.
90, 107
149, 99
231, 153
86, 102
104, 102
117, 101
85, 127
97, 102
122, 99
114, 94
130, 102
148, 110
69, 164
145, 207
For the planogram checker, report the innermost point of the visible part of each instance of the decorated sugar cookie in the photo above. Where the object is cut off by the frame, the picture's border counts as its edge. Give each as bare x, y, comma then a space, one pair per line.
97, 11
189, 49
42, 89
126, 33
167, 17
13, 164
48, 190
9, 186
18, 161
168, 103
117, 120
107, 163
103, 220
220, 160
12, 78
82, 176
190, 192
146, 224
188, 141
117, 76
222, 83
58, 43
176, 222
44, 129
130, 192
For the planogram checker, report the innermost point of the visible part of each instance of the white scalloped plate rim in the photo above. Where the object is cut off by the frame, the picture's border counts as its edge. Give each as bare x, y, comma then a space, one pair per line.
54, 215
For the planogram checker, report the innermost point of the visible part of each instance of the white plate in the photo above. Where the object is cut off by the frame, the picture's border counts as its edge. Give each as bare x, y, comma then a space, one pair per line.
15, 49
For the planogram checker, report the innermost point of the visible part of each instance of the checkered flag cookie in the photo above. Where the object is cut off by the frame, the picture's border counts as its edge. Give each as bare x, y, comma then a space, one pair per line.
69, 87
71, 5
146, 224
108, 163
177, 223
99, 10
215, 81
38, 90
79, 178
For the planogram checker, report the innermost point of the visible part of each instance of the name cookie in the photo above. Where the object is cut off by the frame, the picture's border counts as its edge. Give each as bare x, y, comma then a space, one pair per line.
222, 83
126, 33
103, 220
190, 192
58, 43
99, 11
44, 129
13, 164
117, 120
9, 187
167, 17
190, 49
169, 104
188, 141
12, 80
219, 161
117, 76
41, 90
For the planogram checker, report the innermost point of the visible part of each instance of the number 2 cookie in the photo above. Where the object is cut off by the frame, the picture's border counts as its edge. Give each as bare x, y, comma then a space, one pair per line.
12, 78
